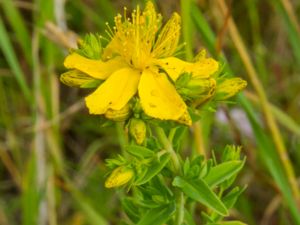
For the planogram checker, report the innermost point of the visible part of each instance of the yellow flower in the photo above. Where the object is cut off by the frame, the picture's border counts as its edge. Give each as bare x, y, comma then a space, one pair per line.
139, 61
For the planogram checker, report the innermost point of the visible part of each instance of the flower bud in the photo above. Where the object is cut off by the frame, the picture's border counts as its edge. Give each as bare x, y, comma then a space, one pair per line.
137, 129
199, 88
229, 88
195, 88
119, 176
118, 115
231, 152
75, 78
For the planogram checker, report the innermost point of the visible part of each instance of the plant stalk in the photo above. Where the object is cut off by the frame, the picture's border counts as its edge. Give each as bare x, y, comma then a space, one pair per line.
198, 139
179, 216
168, 147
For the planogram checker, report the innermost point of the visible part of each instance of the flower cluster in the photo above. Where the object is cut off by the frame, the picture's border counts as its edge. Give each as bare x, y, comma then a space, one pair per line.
138, 64
141, 83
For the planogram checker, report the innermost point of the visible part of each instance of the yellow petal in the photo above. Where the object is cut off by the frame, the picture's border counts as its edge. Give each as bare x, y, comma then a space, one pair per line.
173, 66
203, 68
168, 38
159, 98
95, 68
115, 92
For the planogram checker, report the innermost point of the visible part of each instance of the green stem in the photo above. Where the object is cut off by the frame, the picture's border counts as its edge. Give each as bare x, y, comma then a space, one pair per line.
122, 137
162, 137
168, 147
179, 217
172, 134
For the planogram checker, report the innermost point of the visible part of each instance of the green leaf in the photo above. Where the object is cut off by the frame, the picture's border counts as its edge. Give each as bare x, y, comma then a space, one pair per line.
188, 218
180, 133
159, 184
223, 172
90, 47
158, 215
183, 80
155, 167
229, 201
228, 223
139, 151
201, 192
130, 209
186, 166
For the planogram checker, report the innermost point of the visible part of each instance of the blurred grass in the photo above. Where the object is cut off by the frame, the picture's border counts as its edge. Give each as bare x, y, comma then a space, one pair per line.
55, 171
264, 143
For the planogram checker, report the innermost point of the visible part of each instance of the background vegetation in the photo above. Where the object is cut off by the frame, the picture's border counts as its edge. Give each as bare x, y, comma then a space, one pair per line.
52, 152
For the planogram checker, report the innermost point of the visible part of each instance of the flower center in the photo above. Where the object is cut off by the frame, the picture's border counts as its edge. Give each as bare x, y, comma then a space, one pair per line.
133, 38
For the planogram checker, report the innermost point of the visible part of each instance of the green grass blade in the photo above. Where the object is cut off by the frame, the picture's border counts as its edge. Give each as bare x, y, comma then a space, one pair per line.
283, 118
286, 120
204, 29
91, 214
271, 160
265, 144
292, 32
95, 17
16, 21
12, 60
187, 28
30, 195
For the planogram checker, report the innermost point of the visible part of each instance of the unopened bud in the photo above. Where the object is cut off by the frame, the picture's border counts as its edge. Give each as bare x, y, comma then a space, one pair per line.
196, 89
137, 129
201, 87
231, 152
229, 88
75, 78
118, 115
118, 177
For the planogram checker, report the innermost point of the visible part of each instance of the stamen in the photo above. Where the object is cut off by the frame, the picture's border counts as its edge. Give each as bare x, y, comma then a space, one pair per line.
109, 34
125, 13
109, 31
104, 38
